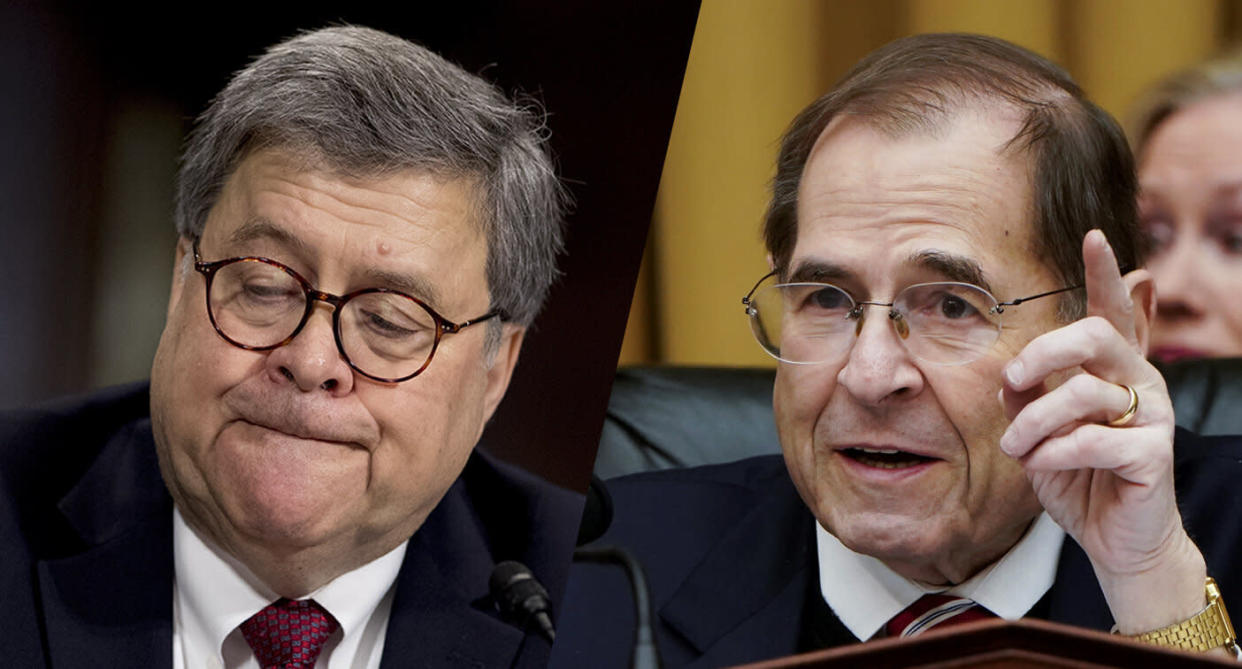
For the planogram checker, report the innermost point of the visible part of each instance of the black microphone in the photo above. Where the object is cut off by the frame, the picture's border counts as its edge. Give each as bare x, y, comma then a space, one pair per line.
521, 598
596, 512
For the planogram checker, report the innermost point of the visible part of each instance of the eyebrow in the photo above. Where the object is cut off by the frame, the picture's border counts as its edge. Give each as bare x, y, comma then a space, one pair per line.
415, 286
259, 228
817, 271
948, 265
1229, 189
1158, 189
951, 266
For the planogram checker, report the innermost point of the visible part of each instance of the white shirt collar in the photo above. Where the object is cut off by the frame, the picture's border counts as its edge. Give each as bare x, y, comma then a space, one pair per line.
865, 594
214, 594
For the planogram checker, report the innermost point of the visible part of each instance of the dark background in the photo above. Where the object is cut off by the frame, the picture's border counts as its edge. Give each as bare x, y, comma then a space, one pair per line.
96, 100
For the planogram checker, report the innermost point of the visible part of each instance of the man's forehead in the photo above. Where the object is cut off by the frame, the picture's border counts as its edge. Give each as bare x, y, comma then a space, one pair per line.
400, 230
1002, 121
897, 196
411, 187
390, 195
259, 228
959, 177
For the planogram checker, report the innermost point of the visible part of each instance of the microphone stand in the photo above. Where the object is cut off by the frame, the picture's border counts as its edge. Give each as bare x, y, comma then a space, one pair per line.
645, 654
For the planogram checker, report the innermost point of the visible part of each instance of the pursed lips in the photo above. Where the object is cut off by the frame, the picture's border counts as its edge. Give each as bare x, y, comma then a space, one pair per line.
293, 429
295, 418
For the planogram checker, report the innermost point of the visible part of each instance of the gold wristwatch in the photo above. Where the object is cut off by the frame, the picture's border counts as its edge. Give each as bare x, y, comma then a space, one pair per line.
1204, 631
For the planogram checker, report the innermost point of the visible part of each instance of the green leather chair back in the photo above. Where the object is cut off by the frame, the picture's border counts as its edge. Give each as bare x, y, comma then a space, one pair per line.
664, 417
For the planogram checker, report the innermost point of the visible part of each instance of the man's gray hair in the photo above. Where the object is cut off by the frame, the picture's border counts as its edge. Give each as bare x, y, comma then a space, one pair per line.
365, 103
1081, 169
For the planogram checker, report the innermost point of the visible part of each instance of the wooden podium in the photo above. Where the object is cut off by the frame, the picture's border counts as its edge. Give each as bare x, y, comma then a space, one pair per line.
1024, 644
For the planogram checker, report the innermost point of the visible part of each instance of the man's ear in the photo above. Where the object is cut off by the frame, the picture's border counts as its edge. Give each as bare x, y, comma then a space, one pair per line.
1143, 296
502, 365
771, 263
180, 272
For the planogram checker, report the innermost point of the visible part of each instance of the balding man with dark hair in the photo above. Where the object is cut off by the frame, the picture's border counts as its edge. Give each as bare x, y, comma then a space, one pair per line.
366, 231
968, 422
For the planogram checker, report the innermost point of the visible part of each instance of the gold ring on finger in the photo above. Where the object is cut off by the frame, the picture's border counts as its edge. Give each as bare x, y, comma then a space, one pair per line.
1128, 414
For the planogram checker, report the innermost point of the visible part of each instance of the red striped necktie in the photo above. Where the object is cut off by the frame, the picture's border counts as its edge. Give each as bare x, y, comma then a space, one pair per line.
932, 611
289, 634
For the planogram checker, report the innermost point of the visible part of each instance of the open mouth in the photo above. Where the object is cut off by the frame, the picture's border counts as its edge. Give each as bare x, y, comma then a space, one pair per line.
885, 458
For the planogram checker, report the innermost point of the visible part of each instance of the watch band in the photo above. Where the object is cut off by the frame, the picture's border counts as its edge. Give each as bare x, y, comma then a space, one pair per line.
1204, 631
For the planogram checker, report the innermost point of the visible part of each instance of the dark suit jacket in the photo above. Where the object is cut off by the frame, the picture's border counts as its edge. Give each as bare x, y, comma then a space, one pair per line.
729, 551
86, 569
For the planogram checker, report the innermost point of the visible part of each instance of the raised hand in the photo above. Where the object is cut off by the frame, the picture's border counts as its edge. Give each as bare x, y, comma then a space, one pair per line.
1108, 482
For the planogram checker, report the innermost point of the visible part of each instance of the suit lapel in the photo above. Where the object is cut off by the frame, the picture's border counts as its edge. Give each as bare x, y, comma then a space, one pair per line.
111, 604
745, 600
442, 614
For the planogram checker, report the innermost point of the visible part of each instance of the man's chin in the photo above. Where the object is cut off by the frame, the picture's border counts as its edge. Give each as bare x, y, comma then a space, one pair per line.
284, 487
279, 529
293, 507
889, 536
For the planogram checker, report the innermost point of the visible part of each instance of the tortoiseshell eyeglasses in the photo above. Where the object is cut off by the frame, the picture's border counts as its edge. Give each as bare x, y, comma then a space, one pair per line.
260, 304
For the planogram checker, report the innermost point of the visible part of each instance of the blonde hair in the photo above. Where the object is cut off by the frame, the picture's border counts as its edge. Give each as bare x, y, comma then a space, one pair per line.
1218, 76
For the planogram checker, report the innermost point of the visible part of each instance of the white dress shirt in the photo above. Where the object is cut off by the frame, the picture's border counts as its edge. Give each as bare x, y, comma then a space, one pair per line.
213, 594
865, 594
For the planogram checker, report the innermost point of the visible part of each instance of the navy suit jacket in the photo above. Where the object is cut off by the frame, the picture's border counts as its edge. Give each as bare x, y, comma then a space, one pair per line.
730, 556
86, 567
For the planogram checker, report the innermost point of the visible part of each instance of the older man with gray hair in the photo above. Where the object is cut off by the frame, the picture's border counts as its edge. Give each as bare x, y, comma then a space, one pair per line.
968, 424
366, 232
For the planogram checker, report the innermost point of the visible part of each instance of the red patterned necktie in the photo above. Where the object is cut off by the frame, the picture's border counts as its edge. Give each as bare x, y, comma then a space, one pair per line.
289, 634
932, 610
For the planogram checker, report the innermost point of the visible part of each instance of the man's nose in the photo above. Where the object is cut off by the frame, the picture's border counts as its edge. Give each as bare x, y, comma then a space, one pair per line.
878, 366
312, 360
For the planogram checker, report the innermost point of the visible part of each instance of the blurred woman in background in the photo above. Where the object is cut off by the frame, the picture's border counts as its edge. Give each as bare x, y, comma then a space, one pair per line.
1188, 143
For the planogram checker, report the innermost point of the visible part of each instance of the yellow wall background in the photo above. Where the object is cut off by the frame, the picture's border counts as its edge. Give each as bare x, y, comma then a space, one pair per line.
755, 63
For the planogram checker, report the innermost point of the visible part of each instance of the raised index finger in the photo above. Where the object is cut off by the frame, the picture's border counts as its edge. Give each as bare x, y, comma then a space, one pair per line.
1107, 294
